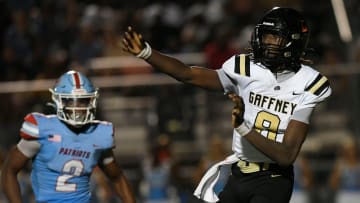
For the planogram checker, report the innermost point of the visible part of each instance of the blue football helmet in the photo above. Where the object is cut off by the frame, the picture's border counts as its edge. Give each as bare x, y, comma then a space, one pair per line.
75, 98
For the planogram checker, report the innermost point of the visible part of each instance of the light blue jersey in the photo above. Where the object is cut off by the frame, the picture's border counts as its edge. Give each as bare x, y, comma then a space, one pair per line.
61, 169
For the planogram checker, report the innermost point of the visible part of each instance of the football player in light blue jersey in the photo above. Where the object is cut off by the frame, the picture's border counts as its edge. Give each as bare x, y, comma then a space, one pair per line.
65, 148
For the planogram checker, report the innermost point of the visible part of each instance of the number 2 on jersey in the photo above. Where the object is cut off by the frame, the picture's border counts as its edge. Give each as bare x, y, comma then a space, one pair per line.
71, 169
267, 124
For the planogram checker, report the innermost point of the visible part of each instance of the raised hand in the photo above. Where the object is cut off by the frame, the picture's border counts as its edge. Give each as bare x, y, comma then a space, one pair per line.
135, 44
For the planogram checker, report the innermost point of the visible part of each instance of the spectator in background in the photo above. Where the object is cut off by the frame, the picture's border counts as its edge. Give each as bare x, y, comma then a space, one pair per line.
220, 47
68, 19
216, 152
355, 50
303, 180
194, 33
111, 41
2, 158
88, 44
156, 186
345, 176
86, 47
18, 44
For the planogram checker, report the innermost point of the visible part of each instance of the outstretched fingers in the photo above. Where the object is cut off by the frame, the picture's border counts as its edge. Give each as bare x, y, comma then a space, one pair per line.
133, 42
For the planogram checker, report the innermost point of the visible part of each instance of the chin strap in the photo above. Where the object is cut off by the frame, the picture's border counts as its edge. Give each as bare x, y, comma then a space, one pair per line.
51, 104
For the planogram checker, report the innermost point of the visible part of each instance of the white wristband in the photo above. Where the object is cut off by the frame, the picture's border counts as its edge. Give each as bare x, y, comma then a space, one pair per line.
243, 129
145, 53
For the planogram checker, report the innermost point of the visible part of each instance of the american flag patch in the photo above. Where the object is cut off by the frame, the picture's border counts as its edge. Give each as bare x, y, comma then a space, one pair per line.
54, 138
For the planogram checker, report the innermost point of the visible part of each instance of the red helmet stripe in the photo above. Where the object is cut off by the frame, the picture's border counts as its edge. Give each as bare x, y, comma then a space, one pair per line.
77, 80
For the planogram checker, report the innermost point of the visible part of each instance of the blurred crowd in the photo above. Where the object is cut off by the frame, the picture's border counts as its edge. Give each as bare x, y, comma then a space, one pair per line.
44, 38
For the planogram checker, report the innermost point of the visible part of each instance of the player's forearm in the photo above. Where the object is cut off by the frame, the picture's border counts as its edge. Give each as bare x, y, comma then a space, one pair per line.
11, 187
279, 152
123, 190
12, 166
170, 66
197, 76
136, 45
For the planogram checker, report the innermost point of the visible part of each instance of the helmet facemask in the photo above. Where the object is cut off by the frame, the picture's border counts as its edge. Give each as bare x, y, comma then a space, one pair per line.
75, 109
75, 98
272, 48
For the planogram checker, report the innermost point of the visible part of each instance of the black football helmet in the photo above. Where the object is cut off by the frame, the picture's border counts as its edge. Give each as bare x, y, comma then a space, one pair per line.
292, 28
